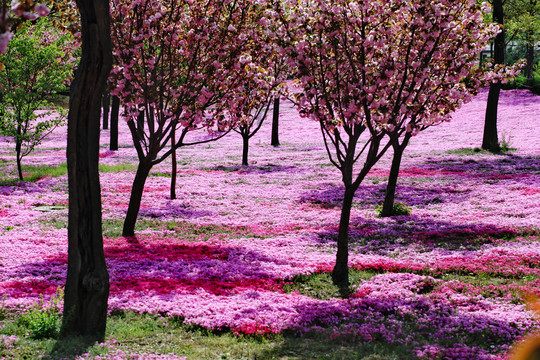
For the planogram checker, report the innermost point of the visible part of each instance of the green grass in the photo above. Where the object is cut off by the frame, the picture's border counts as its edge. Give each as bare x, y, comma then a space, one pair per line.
33, 173
467, 151
103, 168
143, 333
320, 285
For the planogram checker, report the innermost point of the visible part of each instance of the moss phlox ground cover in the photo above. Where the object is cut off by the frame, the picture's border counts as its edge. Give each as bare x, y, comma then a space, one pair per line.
447, 281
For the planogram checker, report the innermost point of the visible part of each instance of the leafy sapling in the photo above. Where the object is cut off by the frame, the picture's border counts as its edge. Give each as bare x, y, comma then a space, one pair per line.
38, 64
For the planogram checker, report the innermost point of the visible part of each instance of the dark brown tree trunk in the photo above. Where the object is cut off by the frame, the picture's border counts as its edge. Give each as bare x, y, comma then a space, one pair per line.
490, 139
174, 167
136, 196
87, 284
388, 204
245, 147
340, 274
106, 106
18, 149
530, 58
115, 109
275, 123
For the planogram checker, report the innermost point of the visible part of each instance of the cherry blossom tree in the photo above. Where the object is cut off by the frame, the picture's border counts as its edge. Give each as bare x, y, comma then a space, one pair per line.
375, 73
180, 66
257, 97
13, 13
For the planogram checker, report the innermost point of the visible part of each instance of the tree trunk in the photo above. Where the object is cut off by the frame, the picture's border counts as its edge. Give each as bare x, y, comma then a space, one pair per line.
245, 147
174, 167
340, 274
490, 139
388, 204
136, 195
18, 149
87, 284
275, 123
530, 58
140, 125
115, 109
106, 106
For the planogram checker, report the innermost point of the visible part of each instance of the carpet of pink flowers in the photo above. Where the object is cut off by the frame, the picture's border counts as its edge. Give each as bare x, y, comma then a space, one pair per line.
235, 235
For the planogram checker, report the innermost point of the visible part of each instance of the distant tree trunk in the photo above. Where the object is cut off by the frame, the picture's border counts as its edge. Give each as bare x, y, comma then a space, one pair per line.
115, 109
340, 273
106, 106
245, 147
87, 284
18, 150
530, 58
490, 140
136, 196
275, 123
390, 194
174, 167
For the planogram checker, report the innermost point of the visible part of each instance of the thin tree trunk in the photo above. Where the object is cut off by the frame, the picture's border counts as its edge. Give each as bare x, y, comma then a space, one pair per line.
18, 149
87, 284
115, 109
340, 274
136, 196
245, 148
490, 139
174, 168
140, 124
388, 204
530, 59
275, 123
106, 106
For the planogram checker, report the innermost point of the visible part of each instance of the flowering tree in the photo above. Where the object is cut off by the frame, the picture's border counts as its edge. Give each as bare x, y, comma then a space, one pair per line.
375, 73
257, 96
179, 67
13, 14
38, 64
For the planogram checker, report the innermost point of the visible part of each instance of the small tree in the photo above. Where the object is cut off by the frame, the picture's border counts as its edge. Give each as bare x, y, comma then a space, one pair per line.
257, 96
376, 73
181, 64
36, 67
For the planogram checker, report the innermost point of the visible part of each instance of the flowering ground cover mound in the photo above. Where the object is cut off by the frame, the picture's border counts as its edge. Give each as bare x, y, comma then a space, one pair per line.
239, 249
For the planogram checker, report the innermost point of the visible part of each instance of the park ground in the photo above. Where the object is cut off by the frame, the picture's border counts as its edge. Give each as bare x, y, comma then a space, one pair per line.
237, 267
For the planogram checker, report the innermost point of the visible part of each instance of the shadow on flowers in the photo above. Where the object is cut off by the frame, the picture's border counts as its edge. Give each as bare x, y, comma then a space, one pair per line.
331, 196
496, 167
381, 235
159, 266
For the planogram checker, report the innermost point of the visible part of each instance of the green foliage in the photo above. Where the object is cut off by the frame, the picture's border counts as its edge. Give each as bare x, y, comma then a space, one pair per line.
398, 209
36, 67
504, 143
43, 320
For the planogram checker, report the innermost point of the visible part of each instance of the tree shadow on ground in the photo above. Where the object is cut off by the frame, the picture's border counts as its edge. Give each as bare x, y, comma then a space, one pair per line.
148, 264
172, 210
382, 235
499, 167
331, 196
251, 169
70, 347
381, 326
